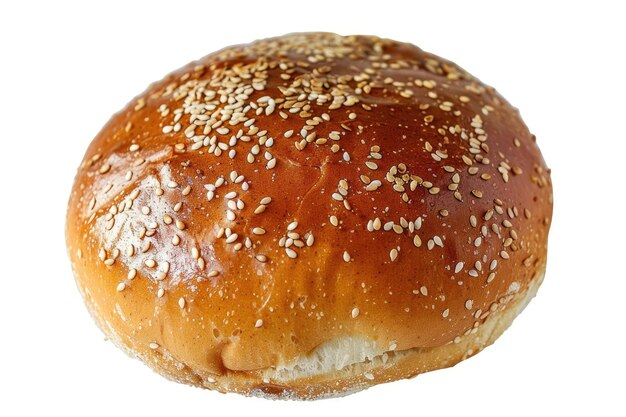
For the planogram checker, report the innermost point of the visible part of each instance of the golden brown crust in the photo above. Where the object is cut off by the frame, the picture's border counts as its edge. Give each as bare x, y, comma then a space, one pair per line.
426, 197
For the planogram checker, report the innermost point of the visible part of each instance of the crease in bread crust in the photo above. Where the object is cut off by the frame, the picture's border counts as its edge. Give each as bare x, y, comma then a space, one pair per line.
319, 368
336, 367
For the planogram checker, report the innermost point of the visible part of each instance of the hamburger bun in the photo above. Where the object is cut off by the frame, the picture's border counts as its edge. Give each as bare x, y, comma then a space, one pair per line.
310, 215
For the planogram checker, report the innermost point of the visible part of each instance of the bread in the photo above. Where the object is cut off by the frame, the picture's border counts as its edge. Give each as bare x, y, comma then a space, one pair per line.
310, 215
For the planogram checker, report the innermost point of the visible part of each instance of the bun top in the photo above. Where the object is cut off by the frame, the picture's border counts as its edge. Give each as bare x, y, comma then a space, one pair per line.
273, 196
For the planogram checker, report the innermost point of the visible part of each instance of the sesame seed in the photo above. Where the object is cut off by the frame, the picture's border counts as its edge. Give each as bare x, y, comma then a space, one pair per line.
292, 225
121, 286
258, 323
181, 302
346, 256
417, 241
393, 254
153, 345
334, 135
355, 312
424, 290
291, 253
373, 185
104, 169
160, 293
527, 213
261, 258
445, 313
469, 304
258, 231
473, 221
334, 221
458, 268
368, 375
528, 261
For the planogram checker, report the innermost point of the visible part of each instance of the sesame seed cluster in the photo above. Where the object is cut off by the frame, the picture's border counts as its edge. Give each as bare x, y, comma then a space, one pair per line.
297, 189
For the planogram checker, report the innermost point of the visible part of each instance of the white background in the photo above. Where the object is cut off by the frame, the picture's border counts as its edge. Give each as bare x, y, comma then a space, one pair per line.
65, 68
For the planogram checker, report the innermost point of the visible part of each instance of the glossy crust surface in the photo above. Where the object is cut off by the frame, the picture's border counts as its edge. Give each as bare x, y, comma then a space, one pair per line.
272, 197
